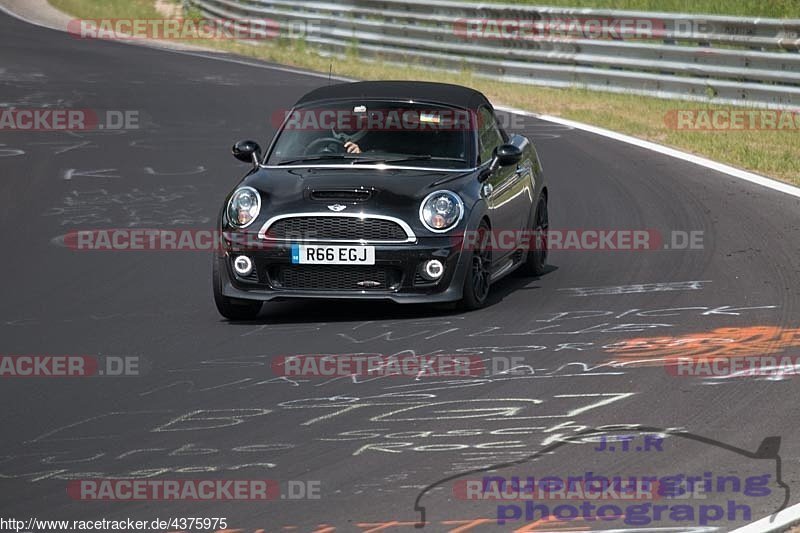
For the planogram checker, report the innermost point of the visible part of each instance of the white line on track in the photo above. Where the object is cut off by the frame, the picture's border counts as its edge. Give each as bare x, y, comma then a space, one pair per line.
773, 522
671, 152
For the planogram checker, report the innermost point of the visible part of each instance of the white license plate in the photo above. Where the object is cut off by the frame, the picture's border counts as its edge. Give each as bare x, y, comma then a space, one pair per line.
303, 254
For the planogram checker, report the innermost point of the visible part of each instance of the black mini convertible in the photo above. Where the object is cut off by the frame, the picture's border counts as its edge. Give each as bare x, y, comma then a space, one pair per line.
404, 191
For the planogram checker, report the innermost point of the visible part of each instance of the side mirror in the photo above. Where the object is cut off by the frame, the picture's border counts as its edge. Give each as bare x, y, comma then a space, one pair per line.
504, 155
247, 151
507, 154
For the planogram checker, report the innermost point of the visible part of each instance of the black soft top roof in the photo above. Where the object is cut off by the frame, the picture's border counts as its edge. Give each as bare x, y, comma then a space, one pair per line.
422, 91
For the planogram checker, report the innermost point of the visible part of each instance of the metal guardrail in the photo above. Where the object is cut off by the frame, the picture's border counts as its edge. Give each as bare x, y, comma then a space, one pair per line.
720, 59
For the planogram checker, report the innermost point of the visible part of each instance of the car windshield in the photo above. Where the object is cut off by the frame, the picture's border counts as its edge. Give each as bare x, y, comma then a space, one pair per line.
373, 132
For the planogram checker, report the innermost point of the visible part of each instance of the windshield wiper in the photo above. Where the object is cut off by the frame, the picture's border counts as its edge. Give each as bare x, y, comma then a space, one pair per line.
356, 158
421, 158
324, 157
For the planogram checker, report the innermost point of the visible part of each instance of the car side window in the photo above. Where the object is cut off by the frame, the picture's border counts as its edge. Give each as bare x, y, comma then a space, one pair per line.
489, 134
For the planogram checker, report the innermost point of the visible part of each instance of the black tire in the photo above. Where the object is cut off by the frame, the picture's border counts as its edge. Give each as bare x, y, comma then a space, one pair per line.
536, 260
231, 308
477, 281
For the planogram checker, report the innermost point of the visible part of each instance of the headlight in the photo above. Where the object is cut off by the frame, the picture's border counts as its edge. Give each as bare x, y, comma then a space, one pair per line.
441, 211
243, 207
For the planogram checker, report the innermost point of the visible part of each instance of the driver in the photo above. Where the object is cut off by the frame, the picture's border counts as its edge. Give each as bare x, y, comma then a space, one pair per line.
352, 148
376, 140
405, 138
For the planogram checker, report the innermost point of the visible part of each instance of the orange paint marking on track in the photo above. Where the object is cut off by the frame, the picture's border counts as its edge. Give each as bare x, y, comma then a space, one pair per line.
466, 525
383, 526
547, 524
720, 342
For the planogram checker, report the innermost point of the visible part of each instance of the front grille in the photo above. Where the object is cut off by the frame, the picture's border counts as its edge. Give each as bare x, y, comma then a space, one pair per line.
336, 228
335, 277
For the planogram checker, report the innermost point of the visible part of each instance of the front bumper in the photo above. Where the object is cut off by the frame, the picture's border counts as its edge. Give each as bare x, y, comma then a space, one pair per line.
396, 274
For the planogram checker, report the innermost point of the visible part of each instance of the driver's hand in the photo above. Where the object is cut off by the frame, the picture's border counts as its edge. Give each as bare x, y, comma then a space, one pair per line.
352, 148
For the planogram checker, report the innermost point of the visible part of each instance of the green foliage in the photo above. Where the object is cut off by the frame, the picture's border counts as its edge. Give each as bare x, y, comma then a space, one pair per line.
745, 8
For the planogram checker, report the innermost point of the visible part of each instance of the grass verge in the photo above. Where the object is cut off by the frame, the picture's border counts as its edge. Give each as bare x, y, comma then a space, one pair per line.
740, 8
98, 9
769, 151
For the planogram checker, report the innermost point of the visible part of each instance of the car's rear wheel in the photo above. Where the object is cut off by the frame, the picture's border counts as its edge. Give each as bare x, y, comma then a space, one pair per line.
478, 280
536, 262
231, 308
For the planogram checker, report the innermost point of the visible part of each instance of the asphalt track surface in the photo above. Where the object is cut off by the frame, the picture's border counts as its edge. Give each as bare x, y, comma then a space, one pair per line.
209, 405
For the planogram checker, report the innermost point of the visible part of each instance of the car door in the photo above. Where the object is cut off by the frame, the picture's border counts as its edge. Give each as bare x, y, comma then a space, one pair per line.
503, 197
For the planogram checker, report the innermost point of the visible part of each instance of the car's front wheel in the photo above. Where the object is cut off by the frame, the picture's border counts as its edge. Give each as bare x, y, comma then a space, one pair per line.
479, 272
231, 308
536, 261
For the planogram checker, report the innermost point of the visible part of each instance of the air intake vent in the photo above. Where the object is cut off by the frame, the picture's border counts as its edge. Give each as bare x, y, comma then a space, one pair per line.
335, 277
342, 195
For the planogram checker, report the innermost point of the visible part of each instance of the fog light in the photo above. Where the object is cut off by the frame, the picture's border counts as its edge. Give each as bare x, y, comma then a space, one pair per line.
243, 265
432, 270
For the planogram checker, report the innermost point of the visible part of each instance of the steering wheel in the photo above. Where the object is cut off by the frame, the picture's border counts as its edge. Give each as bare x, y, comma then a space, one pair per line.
325, 145
333, 144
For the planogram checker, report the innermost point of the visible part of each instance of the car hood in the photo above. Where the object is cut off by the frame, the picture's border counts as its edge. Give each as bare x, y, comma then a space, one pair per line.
395, 192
